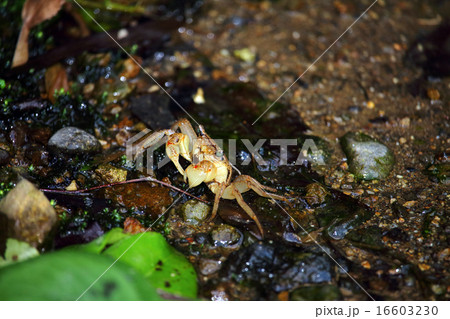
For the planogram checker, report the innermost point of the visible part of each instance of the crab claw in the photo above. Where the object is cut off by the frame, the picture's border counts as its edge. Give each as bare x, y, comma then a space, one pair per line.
205, 171
178, 144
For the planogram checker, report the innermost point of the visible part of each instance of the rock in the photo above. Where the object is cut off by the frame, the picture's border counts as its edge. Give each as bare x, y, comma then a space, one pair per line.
111, 174
152, 201
315, 194
116, 90
4, 157
369, 237
245, 54
338, 218
201, 238
314, 149
37, 154
194, 212
439, 173
72, 186
18, 135
277, 267
208, 266
27, 214
72, 140
133, 226
305, 269
225, 235
153, 110
367, 158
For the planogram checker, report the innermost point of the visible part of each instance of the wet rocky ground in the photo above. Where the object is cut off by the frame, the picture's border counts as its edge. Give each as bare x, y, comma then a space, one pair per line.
367, 215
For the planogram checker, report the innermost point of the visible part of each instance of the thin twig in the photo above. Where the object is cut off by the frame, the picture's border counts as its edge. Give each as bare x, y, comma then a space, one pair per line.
144, 179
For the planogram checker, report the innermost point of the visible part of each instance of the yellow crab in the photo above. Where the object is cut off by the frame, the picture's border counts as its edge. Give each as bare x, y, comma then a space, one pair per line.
209, 165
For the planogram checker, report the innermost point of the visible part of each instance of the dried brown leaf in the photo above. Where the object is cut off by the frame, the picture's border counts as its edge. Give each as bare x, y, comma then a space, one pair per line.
33, 13
55, 80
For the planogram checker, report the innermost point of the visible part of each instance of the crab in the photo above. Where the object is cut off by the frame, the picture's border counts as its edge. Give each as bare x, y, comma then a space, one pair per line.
209, 166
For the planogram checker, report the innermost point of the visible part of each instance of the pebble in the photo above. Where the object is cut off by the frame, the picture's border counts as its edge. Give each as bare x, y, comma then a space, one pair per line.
315, 194
72, 186
199, 97
194, 212
131, 68
111, 174
410, 203
208, 266
424, 267
225, 235
72, 140
368, 158
444, 254
433, 94
245, 54
405, 122
370, 105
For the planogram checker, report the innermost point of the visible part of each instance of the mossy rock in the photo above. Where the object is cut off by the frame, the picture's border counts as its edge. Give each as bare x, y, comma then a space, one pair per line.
368, 158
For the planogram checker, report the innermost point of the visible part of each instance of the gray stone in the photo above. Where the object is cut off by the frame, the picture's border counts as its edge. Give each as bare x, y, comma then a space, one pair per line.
72, 140
367, 158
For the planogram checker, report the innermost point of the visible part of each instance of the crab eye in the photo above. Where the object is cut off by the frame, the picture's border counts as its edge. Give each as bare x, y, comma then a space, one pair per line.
219, 153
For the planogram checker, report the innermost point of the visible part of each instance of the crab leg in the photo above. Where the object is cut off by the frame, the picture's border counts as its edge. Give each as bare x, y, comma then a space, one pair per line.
242, 184
245, 183
259, 188
237, 194
149, 141
219, 193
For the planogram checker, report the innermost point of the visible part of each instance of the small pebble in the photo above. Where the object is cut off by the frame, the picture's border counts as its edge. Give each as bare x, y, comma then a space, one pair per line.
72, 186
433, 94
405, 122
199, 97
424, 267
194, 212
410, 203
208, 266
225, 235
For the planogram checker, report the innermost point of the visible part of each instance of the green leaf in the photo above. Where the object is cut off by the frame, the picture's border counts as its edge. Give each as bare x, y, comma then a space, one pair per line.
165, 267
98, 245
66, 274
17, 251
